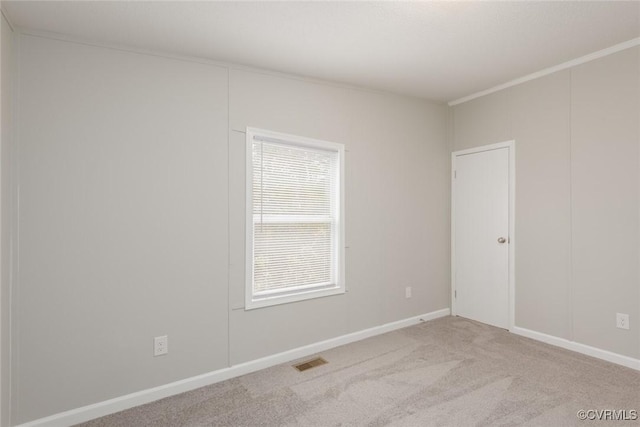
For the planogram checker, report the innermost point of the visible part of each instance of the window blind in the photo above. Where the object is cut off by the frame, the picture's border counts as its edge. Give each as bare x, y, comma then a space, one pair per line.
295, 207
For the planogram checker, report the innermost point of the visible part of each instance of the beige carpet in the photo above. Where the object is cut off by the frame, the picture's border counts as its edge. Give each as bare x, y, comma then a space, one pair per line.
446, 372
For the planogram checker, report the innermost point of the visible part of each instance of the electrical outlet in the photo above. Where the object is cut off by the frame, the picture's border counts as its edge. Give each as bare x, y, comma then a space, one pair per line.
407, 292
160, 345
622, 321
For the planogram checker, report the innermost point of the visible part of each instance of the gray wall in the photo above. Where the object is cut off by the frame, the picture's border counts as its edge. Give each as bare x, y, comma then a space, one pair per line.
6, 91
395, 171
577, 196
123, 224
131, 178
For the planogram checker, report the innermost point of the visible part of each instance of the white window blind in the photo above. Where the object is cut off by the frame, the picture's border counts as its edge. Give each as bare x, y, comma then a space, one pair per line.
295, 217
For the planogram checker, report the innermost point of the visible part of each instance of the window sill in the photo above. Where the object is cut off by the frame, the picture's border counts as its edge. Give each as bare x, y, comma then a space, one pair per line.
252, 304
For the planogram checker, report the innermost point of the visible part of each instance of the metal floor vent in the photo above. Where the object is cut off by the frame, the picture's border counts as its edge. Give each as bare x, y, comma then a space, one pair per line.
310, 364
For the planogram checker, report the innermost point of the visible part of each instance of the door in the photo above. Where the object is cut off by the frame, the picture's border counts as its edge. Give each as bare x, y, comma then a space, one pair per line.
480, 240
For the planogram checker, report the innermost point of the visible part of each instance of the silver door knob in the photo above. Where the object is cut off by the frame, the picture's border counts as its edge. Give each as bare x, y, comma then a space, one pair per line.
501, 240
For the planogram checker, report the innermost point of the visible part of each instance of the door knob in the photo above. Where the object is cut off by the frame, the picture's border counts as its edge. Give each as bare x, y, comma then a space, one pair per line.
501, 240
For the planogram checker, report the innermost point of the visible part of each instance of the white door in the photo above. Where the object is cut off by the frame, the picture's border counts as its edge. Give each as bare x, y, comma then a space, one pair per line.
480, 241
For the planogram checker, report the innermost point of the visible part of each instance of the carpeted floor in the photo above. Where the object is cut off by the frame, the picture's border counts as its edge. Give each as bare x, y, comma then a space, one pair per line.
445, 372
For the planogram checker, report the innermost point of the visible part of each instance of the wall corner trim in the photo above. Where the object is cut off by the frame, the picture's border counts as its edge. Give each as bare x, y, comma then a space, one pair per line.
572, 63
100, 409
598, 353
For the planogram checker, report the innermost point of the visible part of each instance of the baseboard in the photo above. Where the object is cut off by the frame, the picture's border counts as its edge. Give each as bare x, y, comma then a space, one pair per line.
609, 356
121, 403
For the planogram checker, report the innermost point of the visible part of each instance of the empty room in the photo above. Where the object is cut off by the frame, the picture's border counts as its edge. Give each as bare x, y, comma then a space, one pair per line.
323, 213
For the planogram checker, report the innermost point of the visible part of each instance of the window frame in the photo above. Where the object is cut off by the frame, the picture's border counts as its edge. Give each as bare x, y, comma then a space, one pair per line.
304, 292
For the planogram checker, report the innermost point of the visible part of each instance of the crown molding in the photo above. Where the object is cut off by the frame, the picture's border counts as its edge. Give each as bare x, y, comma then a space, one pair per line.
7, 18
569, 64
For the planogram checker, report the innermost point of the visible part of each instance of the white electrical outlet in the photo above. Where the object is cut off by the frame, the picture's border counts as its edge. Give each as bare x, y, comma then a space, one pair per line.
160, 345
407, 292
622, 321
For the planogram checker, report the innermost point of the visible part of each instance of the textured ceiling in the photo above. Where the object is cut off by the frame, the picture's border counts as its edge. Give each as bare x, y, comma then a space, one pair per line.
436, 50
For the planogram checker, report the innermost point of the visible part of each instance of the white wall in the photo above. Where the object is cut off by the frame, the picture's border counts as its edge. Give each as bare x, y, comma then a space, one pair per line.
6, 94
577, 196
131, 178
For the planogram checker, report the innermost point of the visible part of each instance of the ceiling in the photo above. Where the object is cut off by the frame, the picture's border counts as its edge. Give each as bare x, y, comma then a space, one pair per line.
435, 50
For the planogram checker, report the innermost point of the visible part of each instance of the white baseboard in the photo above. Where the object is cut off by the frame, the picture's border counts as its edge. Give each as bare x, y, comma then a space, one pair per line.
121, 403
609, 356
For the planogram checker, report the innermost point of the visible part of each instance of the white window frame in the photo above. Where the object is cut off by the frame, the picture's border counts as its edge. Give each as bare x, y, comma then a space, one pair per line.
302, 292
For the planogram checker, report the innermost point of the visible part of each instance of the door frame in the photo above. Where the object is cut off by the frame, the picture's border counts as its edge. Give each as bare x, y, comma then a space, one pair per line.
511, 145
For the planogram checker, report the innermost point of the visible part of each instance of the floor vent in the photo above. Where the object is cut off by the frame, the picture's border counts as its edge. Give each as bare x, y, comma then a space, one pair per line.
310, 364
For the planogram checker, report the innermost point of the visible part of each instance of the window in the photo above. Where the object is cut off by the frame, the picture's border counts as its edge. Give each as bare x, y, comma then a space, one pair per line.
295, 218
